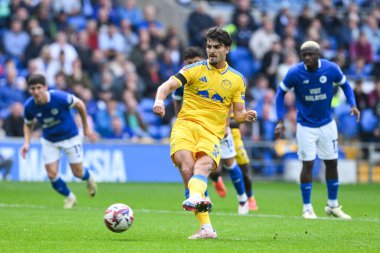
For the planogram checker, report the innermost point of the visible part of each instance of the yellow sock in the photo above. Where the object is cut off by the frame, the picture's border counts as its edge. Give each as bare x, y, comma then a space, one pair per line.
197, 185
203, 218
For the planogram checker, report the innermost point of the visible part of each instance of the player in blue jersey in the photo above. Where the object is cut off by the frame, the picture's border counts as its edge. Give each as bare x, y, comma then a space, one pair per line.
59, 131
313, 81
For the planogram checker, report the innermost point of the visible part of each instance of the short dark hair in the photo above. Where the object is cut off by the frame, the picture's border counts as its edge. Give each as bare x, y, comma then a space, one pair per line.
192, 52
220, 35
36, 79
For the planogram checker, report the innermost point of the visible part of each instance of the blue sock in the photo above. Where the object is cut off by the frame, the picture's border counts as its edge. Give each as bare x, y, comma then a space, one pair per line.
60, 186
206, 193
332, 189
237, 178
86, 174
306, 192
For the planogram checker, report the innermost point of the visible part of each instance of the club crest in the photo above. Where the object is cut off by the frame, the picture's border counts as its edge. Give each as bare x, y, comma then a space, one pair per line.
54, 111
323, 79
226, 84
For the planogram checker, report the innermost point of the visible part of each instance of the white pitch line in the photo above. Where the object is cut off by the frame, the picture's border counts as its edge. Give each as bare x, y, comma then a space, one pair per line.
214, 213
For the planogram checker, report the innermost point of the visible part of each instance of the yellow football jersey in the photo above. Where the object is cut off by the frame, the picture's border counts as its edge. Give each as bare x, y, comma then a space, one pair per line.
208, 94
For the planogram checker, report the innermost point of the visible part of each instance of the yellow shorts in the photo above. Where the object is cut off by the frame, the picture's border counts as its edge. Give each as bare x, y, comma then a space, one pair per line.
188, 135
241, 153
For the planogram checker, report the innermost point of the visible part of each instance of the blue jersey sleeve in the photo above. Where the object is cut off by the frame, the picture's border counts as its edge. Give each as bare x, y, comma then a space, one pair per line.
178, 93
288, 82
280, 107
340, 79
66, 99
28, 117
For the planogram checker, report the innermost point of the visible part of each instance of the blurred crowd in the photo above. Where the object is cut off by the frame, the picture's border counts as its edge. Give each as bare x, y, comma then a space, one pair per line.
114, 55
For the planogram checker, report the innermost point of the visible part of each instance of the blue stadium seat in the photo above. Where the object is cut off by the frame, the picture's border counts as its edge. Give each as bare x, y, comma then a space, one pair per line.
165, 131
150, 118
347, 125
242, 60
159, 132
368, 121
146, 104
145, 108
153, 131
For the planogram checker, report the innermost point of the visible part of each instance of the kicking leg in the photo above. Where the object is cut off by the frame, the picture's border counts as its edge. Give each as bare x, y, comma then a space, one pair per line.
185, 162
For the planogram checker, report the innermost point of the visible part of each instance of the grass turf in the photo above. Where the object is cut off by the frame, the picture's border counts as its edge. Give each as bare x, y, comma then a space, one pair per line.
32, 219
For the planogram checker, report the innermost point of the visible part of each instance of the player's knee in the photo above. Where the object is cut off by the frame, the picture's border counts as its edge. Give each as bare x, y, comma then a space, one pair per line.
186, 173
229, 164
307, 165
77, 170
52, 175
331, 164
203, 168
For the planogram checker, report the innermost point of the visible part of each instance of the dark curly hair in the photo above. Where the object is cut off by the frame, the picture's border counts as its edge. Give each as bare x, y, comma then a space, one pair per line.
192, 52
220, 35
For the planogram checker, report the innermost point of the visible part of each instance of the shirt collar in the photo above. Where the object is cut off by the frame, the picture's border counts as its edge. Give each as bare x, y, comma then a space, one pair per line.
47, 97
319, 64
221, 70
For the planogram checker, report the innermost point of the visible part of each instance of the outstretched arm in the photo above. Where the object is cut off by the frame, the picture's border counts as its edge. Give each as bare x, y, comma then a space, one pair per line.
162, 93
241, 115
349, 93
87, 130
280, 110
28, 129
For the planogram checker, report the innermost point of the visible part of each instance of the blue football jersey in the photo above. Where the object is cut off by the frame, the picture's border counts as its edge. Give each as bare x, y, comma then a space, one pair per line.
314, 91
178, 93
55, 117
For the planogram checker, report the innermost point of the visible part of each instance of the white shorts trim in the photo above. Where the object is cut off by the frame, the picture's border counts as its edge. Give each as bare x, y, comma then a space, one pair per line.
321, 141
73, 148
227, 147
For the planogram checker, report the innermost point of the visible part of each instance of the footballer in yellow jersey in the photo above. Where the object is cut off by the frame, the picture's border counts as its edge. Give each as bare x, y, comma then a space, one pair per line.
208, 94
211, 87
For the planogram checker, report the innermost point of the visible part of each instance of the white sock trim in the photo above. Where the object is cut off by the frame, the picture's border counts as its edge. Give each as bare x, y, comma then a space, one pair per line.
233, 165
332, 203
208, 227
242, 198
307, 207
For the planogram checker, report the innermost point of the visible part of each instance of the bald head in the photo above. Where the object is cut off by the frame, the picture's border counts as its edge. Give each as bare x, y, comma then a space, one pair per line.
310, 45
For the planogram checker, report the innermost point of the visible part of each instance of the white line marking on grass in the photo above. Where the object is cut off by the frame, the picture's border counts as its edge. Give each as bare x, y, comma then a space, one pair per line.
214, 213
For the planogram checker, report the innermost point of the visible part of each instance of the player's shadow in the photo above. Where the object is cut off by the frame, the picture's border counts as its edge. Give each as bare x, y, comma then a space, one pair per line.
123, 239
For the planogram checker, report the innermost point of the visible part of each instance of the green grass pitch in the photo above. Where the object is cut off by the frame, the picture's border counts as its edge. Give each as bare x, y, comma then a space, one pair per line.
32, 219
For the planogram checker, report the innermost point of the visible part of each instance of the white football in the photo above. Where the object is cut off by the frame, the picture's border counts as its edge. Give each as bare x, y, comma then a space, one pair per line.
118, 217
